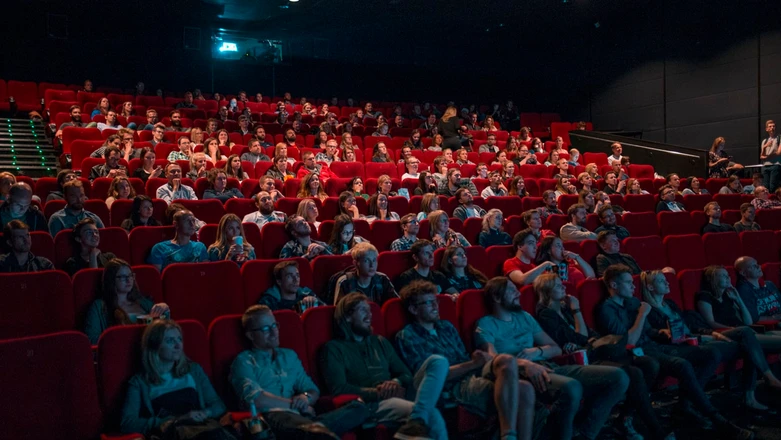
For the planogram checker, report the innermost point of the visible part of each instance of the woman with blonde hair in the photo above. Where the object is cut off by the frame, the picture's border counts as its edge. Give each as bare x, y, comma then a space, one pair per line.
449, 126
489, 125
493, 230
307, 209
347, 141
633, 187
461, 274
593, 170
553, 158
120, 188
563, 186
380, 153
720, 164
436, 143
170, 384
441, 234
385, 186
197, 166
231, 244
196, 136
311, 187
348, 155
211, 148
429, 204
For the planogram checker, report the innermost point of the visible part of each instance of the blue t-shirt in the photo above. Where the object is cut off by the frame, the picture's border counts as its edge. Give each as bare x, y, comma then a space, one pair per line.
167, 252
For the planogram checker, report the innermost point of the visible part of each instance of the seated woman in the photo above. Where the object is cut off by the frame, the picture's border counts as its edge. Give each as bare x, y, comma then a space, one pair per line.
553, 158
307, 209
586, 182
719, 163
197, 166
437, 143
378, 209
385, 186
695, 187
560, 317
355, 186
343, 236
86, 255
441, 234
461, 275
429, 204
279, 170
320, 140
462, 157
426, 184
563, 186
348, 206
500, 158
593, 170
311, 187
412, 164
532, 219
512, 145
196, 135
633, 187
233, 168
223, 139
231, 244
537, 146
587, 198
170, 391
493, 230
147, 168
518, 187
489, 125
568, 265
733, 186
63, 177
140, 214
348, 154
731, 344
120, 188
508, 170
218, 187
120, 301
347, 142
380, 153
211, 148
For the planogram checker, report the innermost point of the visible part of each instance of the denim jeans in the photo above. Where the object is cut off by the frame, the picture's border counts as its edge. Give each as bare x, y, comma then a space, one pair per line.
692, 366
772, 177
341, 420
600, 387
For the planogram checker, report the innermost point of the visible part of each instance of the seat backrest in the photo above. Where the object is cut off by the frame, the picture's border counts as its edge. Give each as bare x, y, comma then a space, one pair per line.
393, 264
769, 219
274, 237
722, 248
470, 307
639, 203
209, 211
696, 202
761, 245
50, 382
203, 291
144, 238
685, 251
689, 283
323, 267
396, 317
590, 293
640, 224
649, 252
35, 303
384, 233
258, 276
676, 223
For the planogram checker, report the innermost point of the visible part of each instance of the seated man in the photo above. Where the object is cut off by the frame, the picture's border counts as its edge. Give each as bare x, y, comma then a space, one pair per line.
111, 168
490, 145
613, 185
19, 207
265, 213
453, 183
311, 166
763, 300
151, 120
762, 199
158, 134
410, 226
562, 169
176, 122
616, 156
423, 255
331, 153
608, 218
75, 121
667, 200
365, 279
255, 153
181, 249
20, 259
111, 122
576, 230
185, 150
521, 269
359, 362
482, 383
73, 212
301, 243
510, 330
495, 187
623, 314
174, 189
287, 293
713, 211
273, 380
756, 180
746, 222
187, 103
610, 247
466, 208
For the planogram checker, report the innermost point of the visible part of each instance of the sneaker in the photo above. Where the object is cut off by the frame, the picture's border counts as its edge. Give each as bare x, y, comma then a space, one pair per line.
414, 429
628, 431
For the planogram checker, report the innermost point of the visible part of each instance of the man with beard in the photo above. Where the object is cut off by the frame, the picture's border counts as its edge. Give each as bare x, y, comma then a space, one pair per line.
174, 189
480, 382
576, 230
176, 122
20, 259
472, 123
423, 255
290, 137
608, 218
187, 103
265, 213
466, 207
410, 226
111, 168
222, 114
510, 330
359, 362
75, 113
181, 249
73, 212
111, 122
301, 243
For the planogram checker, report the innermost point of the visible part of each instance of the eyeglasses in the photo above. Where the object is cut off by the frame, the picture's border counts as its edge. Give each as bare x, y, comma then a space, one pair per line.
412, 222
265, 328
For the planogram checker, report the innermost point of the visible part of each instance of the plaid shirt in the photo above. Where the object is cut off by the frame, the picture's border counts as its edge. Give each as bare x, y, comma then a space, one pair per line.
765, 204
402, 244
415, 344
294, 248
379, 290
177, 155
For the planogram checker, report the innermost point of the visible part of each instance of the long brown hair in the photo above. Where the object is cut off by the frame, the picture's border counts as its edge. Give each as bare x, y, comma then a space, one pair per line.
108, 292
222, 239
151, 341
447, 267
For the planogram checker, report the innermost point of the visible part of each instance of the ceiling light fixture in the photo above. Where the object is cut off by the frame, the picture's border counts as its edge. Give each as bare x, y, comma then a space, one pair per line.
293, 1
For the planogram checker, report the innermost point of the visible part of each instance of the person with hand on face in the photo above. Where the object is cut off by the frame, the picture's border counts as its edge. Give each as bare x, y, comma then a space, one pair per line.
265, 213
111, 168
18, 206
181, 249
441, 233
478, 381
197, 166
746, 222
667, 200
624, 315
231, 244
120, 302
86, 255
185, 150
613, 185
17, 236
287, 292
301, 243
426, 184
365, 279
273, 380
521, 269
563, 186
171, 390
218, 182
495, 188
148, 168
174, 189
570, 266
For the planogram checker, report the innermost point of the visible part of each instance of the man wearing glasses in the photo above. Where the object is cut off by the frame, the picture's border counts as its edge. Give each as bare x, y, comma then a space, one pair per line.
274, 381
667, 200
454, 183
410, 227
20, 259
174, 189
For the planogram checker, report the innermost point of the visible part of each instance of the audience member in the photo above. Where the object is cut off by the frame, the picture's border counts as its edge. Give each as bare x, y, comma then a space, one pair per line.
148, 168
234, 169
307, 209
343, 237
410, 227
63, 177
301, 243
181, 249
495, 188
762, 299
73, 212
617, 149
255, 153
279, 170
576, 230
456, 268
265, 213
610, 247
466, 208
19, 258
521, 269
365, 278
18, 206
493, 233
695, 187
218, 187
613, 185
423, 254
426, 184
231, 244
197, 166
111, 168
608, 219
453, 183
287, 292
212, 151
746, 222
713, 211
619, 169
441, 234
568, 265
732, 186
756, 180
175, 189
120, 302
762, 199
586, 198
667, 200
85, 239
140, 214
385, 186
412, 165
532, 219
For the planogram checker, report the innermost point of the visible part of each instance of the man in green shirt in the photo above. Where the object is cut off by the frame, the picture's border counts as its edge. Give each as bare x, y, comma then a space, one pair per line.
359, 362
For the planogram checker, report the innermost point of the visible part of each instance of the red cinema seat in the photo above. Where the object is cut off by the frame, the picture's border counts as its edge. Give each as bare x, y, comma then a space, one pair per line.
323, 268
495, 258
676, 223
393, 264
769, 219
21, 313
689, 283
203, 291
112, 240
25, 94
649, 251
377, 169
274, 237
258, 276
240, 207
639, 203
696, 202
144, 238
50, 95
71, 134
554, 222
597, 158
772, 272
640, 224
50, 382
349, 169
590, 293
761, 245
685, 251
728, 201
395, 317
722, 248
565, 201
209, 211
472, 228
639, 171
383, 233
470, 307
508, 205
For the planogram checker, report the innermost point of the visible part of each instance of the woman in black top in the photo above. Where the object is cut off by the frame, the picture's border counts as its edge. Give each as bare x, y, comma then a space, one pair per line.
448, 126
140, 214
426, 184
86, 255
147, 168
559, 315
461, 274
738, 342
